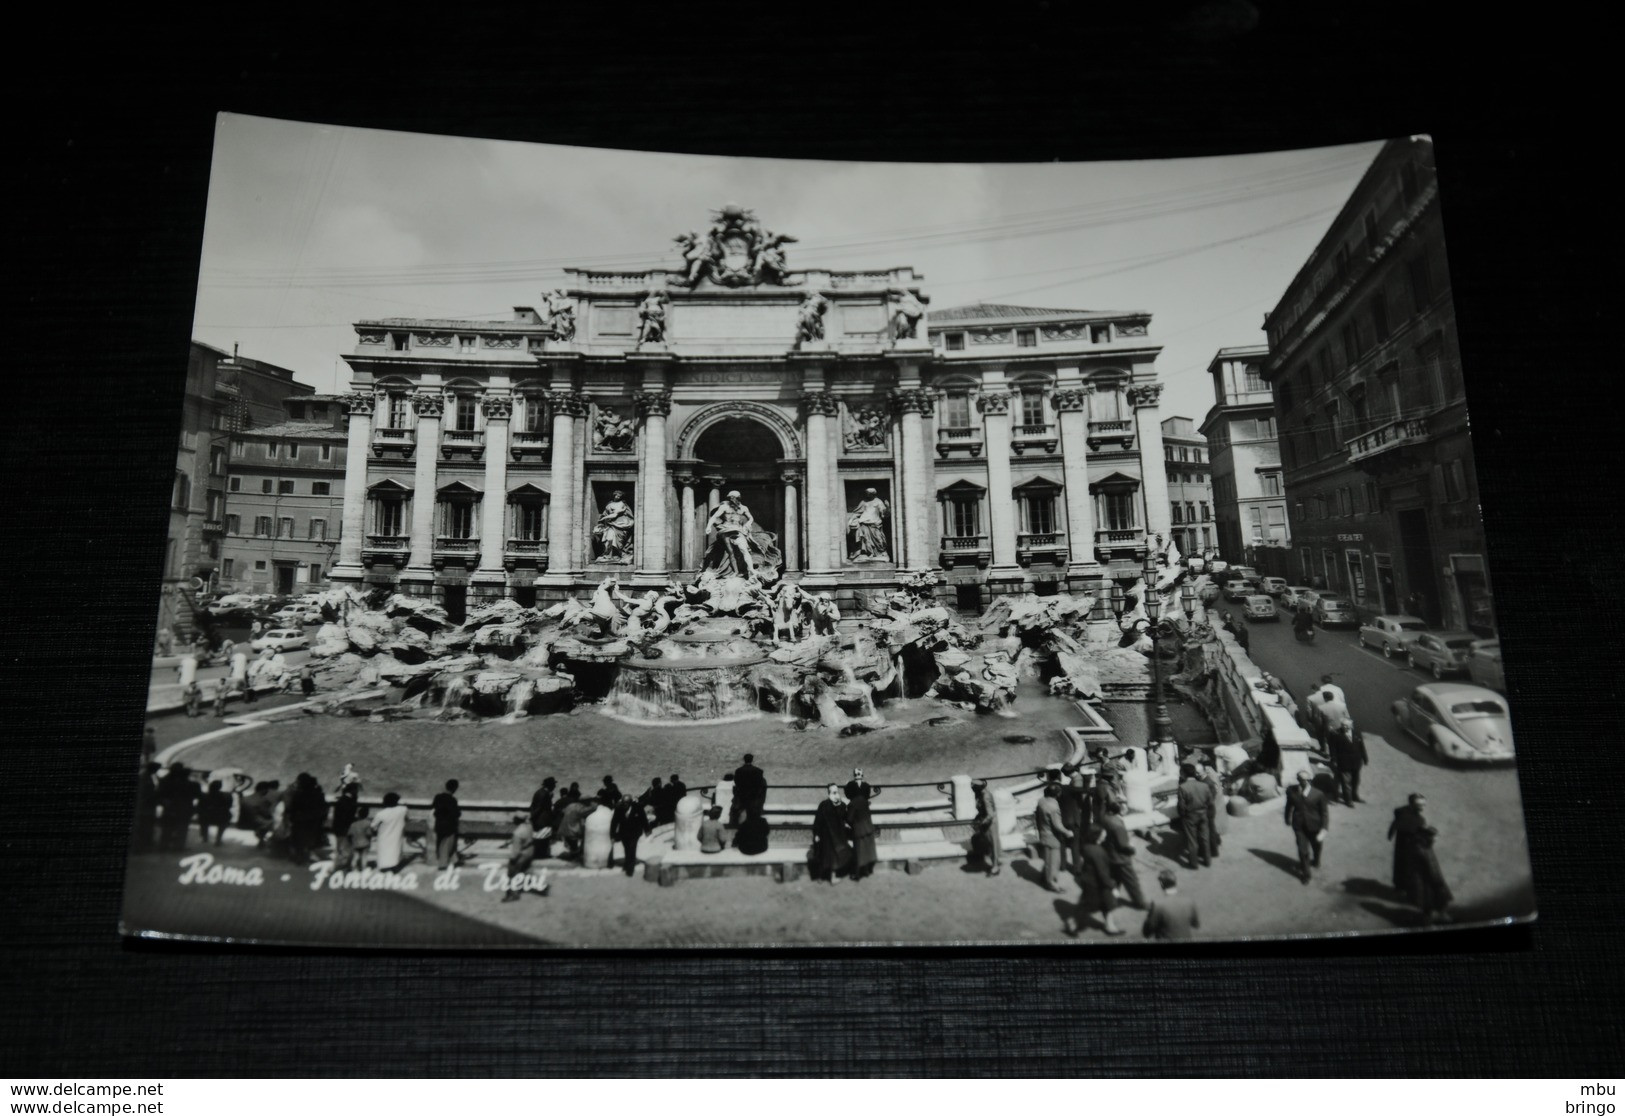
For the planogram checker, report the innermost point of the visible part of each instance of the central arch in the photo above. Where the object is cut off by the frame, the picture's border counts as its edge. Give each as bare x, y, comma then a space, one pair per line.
770, 417
742, 446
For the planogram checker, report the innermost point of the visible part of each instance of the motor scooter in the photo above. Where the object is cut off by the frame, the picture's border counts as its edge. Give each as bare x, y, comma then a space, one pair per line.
1303, 627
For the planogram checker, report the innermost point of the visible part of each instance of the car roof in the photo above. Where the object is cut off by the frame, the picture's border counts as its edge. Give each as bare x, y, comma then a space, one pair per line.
1400, 616
1454, 691
1261, 597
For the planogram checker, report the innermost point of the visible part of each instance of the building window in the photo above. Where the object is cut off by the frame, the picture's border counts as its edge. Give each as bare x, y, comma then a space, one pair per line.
1253, 378
1168, 452
389, 514
954, 341
183, 491
1106, 404
1207, 512
400, 341
234, 524
228, 567
1256, 516
530, 520
1118, 511
1455, 481
1351, 342
1421, 283
293, 451
284, 527
400, 411
464, 416
1271, 482
1190, 511
267, 486
327, 453
962, 513
1345, 505
262, 526
1372, 503
296, 410
234, 484
1283, 393
1032, 407
956, 410
237, 447
321, 488
315, 571
284, 488
465, 343
214, 548
1100, 334
259, 563
1038, 512
1379, 315
318, 530
457, 519
217, 462
1026, 338
1173, 509
214, 503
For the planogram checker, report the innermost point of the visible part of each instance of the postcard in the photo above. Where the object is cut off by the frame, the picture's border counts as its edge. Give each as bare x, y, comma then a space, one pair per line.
578, 548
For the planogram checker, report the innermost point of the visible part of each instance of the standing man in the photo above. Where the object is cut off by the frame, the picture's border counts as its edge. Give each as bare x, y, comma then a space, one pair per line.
307, 680
521, 853
1348, 754
1051, 831
1172, 917
541, 813
1075, 809
676, 791
1120, 854
1309, 815
1195, 817
750, 789
986, 827
446, 816
626, 826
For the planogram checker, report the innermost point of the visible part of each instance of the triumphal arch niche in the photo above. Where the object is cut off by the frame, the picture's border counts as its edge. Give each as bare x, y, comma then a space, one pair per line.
600, 435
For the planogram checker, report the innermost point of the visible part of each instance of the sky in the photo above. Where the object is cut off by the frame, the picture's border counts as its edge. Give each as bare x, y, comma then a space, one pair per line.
310, 228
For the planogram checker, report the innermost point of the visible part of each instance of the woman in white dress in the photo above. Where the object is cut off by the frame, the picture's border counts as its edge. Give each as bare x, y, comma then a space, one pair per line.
389, 832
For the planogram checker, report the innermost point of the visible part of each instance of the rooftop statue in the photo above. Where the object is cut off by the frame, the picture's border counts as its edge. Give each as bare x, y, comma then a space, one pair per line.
652, 318
736, 251
561, 314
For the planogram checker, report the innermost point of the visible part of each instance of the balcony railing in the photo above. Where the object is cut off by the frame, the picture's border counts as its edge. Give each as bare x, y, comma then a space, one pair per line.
446, 544
1030, 544
1120, 431
1040, 434
1120, 538
1400, 432
526, 548
387, 542
964, 548
521, 442
950, 438
393, 438
462, 441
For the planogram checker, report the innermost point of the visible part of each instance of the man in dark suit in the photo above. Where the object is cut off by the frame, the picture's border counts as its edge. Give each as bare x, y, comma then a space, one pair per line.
676, 791
1348, 754
750, 789
447, 814
1075, 810
1195, 817
1172, 917
1120, 853
627, 825
1309, 815
1052, 832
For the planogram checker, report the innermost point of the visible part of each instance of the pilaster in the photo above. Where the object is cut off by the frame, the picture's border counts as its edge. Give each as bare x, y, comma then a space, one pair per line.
428, 406
353, 525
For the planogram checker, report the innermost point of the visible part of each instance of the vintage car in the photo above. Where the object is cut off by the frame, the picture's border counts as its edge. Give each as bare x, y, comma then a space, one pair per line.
1391, 633
1259, 607
1298, 596
1441, 653
1237, 589
1458, 721
1330, 611
280, 639
1484, 664
1274, 586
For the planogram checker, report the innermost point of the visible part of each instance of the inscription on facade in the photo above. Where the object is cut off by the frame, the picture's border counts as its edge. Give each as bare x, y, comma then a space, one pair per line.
732, 376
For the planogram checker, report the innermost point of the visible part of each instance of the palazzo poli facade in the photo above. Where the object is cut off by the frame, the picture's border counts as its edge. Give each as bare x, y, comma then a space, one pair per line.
1011, 448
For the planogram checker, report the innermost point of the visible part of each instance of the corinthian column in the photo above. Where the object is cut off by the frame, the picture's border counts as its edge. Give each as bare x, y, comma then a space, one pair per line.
1072, 407
995, 408
1153, 471
653, 486
820, 406
493, 526
562, 477
353, 526
912, 405
687, 559
792, 521
420, 563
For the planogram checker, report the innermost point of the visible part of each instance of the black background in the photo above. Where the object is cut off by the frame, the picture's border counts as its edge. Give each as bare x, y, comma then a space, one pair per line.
110, 142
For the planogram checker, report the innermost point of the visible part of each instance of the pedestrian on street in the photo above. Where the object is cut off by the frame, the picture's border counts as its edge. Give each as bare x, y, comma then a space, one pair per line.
177, 797
1309, 816
389, 833
447, 815
307, 680
861, 824
521, 853
831, 853
1195, 817
1120, 855
713, 834
1416, 866
214, 812
192, 694
749, 789
220, 698
1173, 917
541, 814
1096, 874
1347, 748
628, 823
1052, 832
345, 811
357, 841
985, 829
306, 814
676, 791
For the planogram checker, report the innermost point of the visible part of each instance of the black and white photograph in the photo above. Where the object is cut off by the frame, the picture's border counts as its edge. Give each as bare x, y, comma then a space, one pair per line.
584, 548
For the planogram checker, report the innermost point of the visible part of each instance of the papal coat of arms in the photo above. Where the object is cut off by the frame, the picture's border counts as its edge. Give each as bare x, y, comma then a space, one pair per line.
735, 252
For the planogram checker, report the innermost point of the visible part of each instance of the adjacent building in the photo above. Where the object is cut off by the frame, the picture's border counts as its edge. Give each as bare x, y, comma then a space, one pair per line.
1249, 494
1005, 446
224, 393
285, 488
1372, 408
1190, 488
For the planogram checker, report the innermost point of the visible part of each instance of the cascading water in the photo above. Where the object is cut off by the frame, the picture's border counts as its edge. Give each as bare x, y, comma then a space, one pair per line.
658, 694
456, 693
519, 698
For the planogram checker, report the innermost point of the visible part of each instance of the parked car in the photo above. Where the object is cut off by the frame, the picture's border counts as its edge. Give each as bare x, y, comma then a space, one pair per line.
1298, 596
1484, 664
1329, 611
281, 639
1237, 589
290, 615
1441, 653
1274, 586
1390, 633
1245, 572
1218, 566
1458, 721
1260, 607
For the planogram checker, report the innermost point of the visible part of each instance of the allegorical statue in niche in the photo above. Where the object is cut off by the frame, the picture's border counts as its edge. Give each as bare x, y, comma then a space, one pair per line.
867, 526
652, 318
614, 530
810, 318
740, 547
906, 314
612, 433
561, 314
